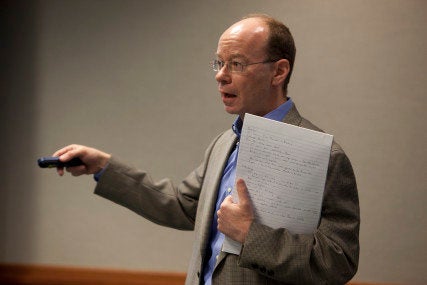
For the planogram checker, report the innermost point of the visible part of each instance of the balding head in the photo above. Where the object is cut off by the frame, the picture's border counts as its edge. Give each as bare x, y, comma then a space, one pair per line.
252, 33
279, 43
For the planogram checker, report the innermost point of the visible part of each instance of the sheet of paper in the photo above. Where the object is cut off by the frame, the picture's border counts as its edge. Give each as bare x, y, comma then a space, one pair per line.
284, 167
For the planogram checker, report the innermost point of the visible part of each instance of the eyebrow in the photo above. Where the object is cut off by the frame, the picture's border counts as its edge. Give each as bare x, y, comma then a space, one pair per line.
234, 56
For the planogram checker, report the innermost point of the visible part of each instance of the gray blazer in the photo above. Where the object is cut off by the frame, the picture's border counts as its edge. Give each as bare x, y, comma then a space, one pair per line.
268, 256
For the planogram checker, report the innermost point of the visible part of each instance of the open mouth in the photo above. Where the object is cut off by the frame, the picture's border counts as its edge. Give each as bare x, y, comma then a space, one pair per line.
228, 95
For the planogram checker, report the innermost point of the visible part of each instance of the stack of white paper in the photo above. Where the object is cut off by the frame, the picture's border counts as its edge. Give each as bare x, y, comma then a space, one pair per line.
284, 167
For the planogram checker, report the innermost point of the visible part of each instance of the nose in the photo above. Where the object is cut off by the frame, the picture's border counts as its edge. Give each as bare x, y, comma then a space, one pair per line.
223, 76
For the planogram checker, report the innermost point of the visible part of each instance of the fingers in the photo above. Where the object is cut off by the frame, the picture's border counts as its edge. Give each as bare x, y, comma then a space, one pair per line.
234, 219
224, 208
60, 171
77, 170
242, 195
228, 200
64, 150
67, 153
242, 192
58, 153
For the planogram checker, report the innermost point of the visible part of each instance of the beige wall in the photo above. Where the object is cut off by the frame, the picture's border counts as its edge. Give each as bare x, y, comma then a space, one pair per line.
132, 78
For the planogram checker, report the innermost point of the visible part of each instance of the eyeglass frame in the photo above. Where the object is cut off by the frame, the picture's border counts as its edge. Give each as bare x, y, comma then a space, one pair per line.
228, 64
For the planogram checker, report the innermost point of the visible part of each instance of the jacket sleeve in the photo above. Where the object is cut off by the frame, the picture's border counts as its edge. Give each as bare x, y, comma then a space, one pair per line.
159, 201
329, 255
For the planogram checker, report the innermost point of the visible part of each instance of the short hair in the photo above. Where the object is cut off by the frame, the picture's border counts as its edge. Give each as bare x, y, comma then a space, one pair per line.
280, 44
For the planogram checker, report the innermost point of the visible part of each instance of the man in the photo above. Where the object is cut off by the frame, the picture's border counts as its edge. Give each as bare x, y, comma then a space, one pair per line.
255, 58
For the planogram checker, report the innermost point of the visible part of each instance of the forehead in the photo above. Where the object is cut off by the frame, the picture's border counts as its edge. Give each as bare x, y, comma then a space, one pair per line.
245, 39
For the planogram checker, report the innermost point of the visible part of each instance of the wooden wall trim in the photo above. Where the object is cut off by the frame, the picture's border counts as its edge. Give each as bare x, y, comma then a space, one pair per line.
19, 274
49, 275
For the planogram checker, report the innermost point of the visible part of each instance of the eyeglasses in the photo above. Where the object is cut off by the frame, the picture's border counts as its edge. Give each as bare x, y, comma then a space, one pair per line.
234, 66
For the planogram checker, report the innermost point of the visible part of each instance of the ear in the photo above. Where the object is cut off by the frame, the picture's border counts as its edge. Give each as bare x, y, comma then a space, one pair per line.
282, 68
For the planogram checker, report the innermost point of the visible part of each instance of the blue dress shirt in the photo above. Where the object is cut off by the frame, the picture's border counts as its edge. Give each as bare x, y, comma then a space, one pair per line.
227, 184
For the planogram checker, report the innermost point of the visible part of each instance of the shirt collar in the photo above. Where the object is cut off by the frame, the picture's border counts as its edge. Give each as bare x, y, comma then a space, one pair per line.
277, 114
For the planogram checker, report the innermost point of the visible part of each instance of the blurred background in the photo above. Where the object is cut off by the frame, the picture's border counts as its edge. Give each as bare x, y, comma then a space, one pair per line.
132, 78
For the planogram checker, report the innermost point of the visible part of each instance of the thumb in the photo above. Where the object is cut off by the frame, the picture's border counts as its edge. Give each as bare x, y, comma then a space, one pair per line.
68, 152
242, 192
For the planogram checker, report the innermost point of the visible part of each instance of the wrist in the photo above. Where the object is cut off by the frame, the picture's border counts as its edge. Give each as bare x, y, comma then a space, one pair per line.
104, 160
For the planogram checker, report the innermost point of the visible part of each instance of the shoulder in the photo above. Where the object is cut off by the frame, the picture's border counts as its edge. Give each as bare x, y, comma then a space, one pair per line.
293, 117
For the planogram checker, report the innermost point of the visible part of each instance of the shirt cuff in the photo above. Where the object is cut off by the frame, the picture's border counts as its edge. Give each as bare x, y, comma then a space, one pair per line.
98, 175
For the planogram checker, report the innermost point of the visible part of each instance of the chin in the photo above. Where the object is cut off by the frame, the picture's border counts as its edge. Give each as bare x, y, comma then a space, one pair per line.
231, 111
228, 109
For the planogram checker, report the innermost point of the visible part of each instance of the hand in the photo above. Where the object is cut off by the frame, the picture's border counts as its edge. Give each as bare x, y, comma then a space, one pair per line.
94, 160
234, 220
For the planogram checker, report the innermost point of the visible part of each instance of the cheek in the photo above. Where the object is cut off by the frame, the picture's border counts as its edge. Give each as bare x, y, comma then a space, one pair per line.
253, 91
244, 85
252, 87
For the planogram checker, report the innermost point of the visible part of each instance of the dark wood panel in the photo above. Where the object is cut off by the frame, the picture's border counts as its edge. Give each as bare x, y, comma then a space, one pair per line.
18, 274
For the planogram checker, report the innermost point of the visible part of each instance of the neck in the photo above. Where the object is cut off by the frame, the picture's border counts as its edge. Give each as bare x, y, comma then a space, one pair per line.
273, 107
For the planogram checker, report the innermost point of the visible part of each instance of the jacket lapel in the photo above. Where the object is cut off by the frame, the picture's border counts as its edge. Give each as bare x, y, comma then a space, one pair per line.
218, 160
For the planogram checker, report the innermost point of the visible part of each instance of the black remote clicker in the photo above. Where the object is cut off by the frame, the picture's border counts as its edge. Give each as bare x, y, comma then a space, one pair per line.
53, 161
